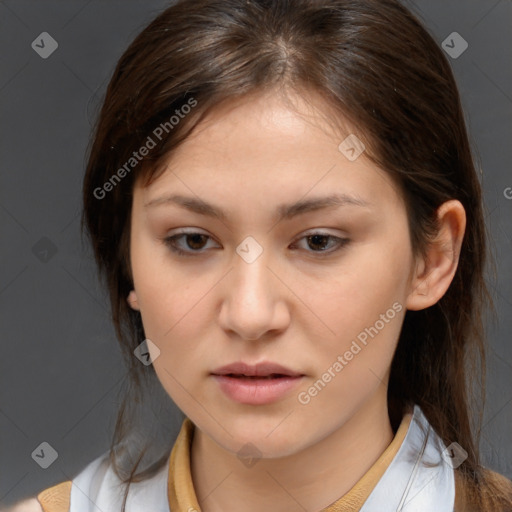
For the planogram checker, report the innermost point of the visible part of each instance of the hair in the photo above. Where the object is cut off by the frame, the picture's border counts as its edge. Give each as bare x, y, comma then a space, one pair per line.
374, 65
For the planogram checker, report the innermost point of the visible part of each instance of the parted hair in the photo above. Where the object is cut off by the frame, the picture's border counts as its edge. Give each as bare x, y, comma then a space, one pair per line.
373, 64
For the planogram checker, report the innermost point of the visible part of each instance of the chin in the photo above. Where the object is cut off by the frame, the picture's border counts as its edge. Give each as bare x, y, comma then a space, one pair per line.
270, 443
246, 449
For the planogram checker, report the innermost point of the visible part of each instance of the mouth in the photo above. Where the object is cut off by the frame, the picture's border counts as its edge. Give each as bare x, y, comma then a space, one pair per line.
259, 384
264, 370
256, 377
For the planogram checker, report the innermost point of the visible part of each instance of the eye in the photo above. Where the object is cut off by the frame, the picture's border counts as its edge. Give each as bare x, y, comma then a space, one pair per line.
324, 242
194, 243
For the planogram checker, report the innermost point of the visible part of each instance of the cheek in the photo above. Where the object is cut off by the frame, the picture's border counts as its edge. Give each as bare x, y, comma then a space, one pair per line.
356, 296
164, 291
361, 314
171, 306
352, 361
169, 301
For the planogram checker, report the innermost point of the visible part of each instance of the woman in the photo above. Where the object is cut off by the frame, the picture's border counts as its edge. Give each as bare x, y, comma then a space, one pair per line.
282, 199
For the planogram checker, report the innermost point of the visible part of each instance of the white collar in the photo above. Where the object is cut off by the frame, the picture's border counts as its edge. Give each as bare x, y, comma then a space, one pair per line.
417, 480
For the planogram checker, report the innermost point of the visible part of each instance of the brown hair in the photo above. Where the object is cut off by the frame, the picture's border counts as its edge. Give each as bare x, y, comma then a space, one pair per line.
375, 65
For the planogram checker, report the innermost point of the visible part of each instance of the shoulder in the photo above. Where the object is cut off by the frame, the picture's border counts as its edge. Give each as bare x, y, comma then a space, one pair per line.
59, 497
98, 482
498, 490
498, 479
56, 498
28, 505
493, 493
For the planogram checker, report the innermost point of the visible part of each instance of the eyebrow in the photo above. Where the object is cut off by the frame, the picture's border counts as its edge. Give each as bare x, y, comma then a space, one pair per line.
283, 211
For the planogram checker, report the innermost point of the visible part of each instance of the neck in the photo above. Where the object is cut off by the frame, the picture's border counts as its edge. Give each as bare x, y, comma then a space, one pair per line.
311, 479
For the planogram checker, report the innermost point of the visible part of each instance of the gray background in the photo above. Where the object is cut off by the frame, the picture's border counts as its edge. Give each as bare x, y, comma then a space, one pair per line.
60, 366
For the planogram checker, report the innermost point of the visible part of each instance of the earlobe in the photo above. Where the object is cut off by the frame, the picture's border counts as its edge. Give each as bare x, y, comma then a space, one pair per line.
436, 270
133, 301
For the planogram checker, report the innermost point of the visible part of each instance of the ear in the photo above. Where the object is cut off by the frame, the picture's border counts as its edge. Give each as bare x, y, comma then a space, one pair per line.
435, 270
133, 301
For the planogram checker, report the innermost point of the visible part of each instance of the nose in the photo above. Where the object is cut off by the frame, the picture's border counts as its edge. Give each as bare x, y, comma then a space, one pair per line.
253, 300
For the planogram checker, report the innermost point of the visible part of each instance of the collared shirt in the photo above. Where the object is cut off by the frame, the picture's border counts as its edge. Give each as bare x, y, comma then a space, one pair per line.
414, 474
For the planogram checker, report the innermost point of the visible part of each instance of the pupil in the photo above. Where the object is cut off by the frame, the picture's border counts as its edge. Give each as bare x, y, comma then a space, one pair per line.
318, 240
195, 238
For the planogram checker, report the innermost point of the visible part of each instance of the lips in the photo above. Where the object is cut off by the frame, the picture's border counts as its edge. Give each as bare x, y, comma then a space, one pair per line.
267, 370
259, 384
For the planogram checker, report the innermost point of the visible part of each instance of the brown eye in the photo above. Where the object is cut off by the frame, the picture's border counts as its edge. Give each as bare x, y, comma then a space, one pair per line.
318, 242
187, 244
196, 241
323, 243
195, 244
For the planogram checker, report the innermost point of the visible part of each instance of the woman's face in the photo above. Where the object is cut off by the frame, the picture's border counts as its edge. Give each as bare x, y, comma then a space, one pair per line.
321, 291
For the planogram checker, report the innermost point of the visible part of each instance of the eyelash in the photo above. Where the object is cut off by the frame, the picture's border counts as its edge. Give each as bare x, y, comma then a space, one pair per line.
170, 242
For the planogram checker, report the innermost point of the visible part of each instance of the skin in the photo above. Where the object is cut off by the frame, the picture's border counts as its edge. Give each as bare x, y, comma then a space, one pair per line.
289, 306
30, 505
293, 305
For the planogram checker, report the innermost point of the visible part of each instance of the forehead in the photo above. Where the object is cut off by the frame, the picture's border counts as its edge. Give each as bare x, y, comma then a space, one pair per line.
269, 147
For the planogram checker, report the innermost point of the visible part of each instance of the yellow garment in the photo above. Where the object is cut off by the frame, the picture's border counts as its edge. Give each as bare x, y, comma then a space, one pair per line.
182, 497
56, 498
